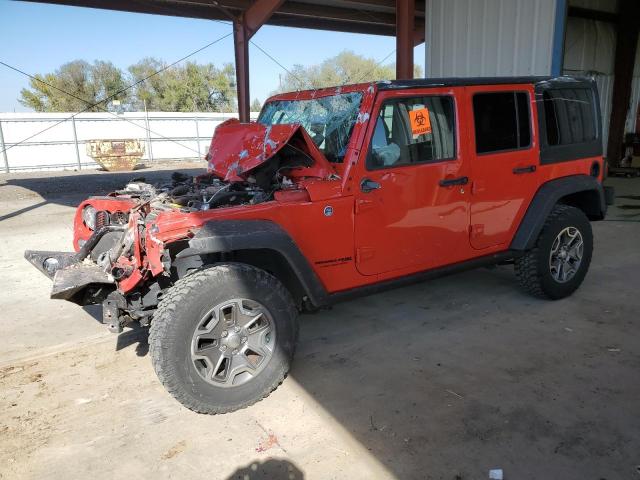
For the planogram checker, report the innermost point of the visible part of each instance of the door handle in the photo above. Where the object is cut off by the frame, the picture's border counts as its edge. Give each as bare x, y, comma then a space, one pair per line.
367, 185
527, 169
448, 182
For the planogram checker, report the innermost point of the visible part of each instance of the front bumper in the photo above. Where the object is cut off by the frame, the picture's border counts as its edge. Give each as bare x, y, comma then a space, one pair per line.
70, 272
71, 276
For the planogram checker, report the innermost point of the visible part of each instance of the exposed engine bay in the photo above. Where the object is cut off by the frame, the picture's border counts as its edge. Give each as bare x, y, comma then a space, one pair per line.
191, 194
116, 236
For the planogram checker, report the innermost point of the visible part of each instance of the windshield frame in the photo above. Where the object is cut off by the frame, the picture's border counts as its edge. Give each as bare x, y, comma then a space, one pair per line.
352, 158
336, 125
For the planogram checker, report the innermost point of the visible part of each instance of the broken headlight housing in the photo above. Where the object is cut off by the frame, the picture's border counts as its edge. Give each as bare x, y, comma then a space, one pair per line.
89, 217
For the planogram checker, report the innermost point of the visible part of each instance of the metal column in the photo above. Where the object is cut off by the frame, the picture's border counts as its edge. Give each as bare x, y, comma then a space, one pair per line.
4, 151
241, 50
198, 138
244, 28
405, 24
75, 142
146, 122
626, 44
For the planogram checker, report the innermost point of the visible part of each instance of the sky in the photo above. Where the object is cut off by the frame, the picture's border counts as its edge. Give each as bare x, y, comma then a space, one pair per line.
38, 38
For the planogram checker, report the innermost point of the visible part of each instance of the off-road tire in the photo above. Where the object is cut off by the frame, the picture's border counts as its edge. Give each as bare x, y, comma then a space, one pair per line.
532, 269
175, 321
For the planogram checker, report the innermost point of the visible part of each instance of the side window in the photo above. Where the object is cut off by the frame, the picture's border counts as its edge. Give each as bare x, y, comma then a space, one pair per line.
413, 130
569, 115
502, 121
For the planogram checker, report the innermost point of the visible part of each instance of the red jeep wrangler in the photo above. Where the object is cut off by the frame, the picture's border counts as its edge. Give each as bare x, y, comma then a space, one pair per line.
334, 193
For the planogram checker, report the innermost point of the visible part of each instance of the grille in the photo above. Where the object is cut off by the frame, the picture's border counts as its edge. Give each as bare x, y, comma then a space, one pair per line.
119, 218
102, 219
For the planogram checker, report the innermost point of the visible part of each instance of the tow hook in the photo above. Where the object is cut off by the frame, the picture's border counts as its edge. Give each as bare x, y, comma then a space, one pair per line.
111, 314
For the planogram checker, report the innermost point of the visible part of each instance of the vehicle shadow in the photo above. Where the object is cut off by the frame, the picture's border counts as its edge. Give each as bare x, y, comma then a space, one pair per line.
272, 469
450, 378
138, 336
70, 188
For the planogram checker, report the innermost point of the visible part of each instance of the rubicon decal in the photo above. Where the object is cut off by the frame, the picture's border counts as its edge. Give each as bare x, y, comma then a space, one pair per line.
333, 261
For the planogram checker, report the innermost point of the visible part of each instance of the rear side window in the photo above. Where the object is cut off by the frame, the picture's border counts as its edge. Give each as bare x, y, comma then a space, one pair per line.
413, 130
502, 121
569, 116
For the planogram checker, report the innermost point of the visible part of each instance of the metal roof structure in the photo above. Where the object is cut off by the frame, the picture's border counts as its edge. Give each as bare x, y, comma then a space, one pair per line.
404, 19
357, 16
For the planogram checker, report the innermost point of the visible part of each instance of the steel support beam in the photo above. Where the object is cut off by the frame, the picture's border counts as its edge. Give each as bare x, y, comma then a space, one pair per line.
405, 24
626, 45
244, 28
241, 50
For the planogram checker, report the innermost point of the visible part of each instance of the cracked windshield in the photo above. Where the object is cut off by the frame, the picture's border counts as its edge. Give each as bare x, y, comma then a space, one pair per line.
328, 120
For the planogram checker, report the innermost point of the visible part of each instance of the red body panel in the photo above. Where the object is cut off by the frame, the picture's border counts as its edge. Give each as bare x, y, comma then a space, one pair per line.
499, 197
110, 204
410, 224
238, 148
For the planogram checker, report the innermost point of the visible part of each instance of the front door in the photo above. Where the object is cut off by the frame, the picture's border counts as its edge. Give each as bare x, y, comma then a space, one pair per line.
411, 207
504, 161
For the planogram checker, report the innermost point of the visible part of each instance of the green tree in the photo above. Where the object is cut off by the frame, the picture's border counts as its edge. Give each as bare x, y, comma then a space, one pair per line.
346, 67
183, 88
90, 83
256, 105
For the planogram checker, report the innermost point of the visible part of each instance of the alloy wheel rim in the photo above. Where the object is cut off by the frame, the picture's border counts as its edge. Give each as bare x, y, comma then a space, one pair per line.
566, 254
233, 342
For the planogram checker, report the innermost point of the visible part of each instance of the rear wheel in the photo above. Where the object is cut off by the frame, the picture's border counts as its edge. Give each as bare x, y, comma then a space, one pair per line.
560, 259
223, 338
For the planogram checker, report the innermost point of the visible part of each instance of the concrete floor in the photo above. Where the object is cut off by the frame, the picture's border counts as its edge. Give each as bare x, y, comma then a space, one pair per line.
440, 380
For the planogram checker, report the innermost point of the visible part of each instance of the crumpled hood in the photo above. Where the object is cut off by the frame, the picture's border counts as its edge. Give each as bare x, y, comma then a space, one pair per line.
238, 148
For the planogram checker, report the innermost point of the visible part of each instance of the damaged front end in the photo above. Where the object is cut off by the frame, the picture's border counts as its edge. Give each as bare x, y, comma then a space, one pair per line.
71, 272
103, 270
127, 243
121, 262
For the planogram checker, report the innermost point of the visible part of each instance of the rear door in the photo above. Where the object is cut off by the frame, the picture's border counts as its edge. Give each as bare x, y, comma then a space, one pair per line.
504, 163
411, 208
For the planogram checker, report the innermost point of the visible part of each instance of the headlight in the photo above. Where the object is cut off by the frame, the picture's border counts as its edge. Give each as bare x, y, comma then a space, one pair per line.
89, 217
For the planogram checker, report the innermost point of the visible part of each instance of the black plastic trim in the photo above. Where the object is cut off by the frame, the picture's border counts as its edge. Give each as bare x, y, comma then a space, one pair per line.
422, 276
563, 153
461, 82
228, 235
231, 235
545, 199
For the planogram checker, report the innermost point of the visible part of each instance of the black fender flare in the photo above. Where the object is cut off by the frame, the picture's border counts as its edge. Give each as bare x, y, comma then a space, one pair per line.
219, 236
546, 198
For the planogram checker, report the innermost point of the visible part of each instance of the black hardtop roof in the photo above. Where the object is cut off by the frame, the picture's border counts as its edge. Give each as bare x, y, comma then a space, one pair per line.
468, 81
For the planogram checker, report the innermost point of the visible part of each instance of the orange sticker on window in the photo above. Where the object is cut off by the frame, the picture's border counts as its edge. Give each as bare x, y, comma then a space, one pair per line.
420, 121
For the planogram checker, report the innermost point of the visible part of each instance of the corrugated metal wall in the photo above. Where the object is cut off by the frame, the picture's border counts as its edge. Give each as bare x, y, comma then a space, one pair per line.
589, 50
466, 38
635, 94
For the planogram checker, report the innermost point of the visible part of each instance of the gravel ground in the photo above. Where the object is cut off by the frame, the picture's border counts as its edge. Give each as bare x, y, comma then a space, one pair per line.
441, 380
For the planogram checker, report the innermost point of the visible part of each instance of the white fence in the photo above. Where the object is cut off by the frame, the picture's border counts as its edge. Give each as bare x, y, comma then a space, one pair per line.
165, 135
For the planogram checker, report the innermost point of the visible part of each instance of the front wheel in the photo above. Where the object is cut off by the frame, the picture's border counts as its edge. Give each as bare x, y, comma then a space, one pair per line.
223, 338
560, 259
